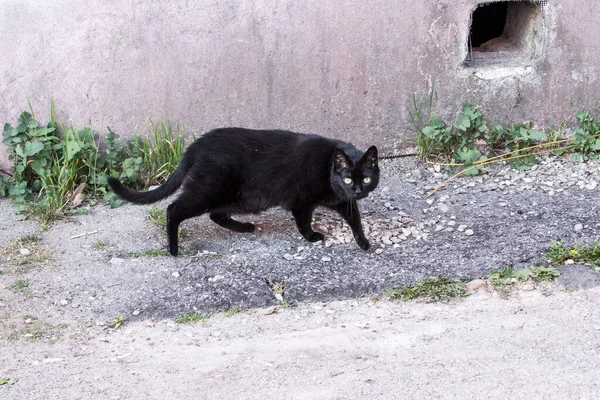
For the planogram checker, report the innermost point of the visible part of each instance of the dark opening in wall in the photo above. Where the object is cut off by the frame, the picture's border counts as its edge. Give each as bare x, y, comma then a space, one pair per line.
488, 22
507, 33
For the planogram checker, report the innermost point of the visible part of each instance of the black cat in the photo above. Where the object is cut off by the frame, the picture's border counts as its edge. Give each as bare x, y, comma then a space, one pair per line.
241, 171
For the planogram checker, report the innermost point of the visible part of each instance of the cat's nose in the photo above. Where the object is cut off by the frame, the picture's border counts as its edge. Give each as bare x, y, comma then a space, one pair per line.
358, 190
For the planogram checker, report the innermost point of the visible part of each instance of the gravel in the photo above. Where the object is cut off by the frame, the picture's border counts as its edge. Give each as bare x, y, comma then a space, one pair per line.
501, 218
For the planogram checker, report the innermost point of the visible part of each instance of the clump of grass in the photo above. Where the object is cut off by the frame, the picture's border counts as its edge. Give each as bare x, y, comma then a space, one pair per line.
589, 254
37, 330
430, 289
158, 216
231, 311
116, 322
29, 239
99, 245
190, 317
149, 253
20, 286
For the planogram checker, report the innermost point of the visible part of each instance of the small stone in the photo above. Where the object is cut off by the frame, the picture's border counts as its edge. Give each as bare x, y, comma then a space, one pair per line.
528, 287
64, 302
469, 232
176, 274
378, 251
288, 256
443, 208
116, 260
326, 259
578, 227
569, 262
270, 310
24, 252
475, 285
136, 312
592, 185
462, 228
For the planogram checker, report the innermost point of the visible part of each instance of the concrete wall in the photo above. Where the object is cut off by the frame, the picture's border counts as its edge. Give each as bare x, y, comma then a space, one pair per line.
341, 68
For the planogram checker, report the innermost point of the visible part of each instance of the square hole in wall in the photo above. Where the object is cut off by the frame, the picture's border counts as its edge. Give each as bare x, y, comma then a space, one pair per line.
505, 33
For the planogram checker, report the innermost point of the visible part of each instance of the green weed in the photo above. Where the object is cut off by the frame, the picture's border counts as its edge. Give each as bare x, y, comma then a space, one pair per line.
149, 253
471, 139
158, 216
430, 289
20, 286
187, 318
504, 279
231, 311
50, 162
98, 245
116, 322
589, 254
29, 239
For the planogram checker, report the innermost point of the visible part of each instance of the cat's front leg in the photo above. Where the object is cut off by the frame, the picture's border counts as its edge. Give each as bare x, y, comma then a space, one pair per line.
303, 217
349, 211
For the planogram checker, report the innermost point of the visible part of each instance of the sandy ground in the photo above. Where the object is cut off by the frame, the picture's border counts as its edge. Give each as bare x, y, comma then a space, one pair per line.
532, 345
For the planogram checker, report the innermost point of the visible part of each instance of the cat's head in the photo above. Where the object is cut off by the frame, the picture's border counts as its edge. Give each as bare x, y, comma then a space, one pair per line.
354, 178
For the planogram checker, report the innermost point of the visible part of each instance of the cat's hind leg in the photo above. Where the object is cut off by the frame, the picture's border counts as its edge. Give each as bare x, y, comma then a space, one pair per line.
183, 208
225, 221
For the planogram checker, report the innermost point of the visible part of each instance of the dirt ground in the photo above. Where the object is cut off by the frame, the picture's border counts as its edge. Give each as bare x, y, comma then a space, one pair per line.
338, 339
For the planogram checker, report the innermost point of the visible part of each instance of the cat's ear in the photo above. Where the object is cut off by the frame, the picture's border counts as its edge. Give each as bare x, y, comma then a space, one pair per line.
340, 160
370, 157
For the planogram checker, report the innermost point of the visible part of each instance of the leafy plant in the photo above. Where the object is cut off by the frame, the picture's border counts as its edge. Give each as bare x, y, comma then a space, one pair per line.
580, 253
471, 141
52, 163
587, 142
504, 279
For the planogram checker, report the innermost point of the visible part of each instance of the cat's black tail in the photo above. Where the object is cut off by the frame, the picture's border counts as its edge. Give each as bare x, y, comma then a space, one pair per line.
152, 196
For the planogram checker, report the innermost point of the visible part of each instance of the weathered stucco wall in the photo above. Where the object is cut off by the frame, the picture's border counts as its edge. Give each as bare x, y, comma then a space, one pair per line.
341, 68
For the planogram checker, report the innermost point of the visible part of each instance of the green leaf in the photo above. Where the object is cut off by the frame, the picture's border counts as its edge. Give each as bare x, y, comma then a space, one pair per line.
583, 115
463, 123
32, 148
26, 121
596, 145
576, 158
72, 149
468, 155
9, 131
537, 135
429, 131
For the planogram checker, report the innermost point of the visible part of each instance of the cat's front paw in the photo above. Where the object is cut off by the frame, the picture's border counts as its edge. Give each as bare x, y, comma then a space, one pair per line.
174, 250
315, 237
363, 243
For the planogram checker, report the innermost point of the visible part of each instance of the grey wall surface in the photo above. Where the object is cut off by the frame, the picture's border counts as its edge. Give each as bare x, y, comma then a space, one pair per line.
344, 69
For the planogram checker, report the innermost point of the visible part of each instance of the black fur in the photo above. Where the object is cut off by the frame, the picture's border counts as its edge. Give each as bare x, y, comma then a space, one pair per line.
241, 171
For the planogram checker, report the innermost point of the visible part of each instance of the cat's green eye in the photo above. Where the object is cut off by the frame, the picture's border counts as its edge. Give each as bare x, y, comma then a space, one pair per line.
367, 180
347, 181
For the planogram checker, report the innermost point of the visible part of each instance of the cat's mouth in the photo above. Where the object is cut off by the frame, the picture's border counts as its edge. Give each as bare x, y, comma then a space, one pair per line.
362, 195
